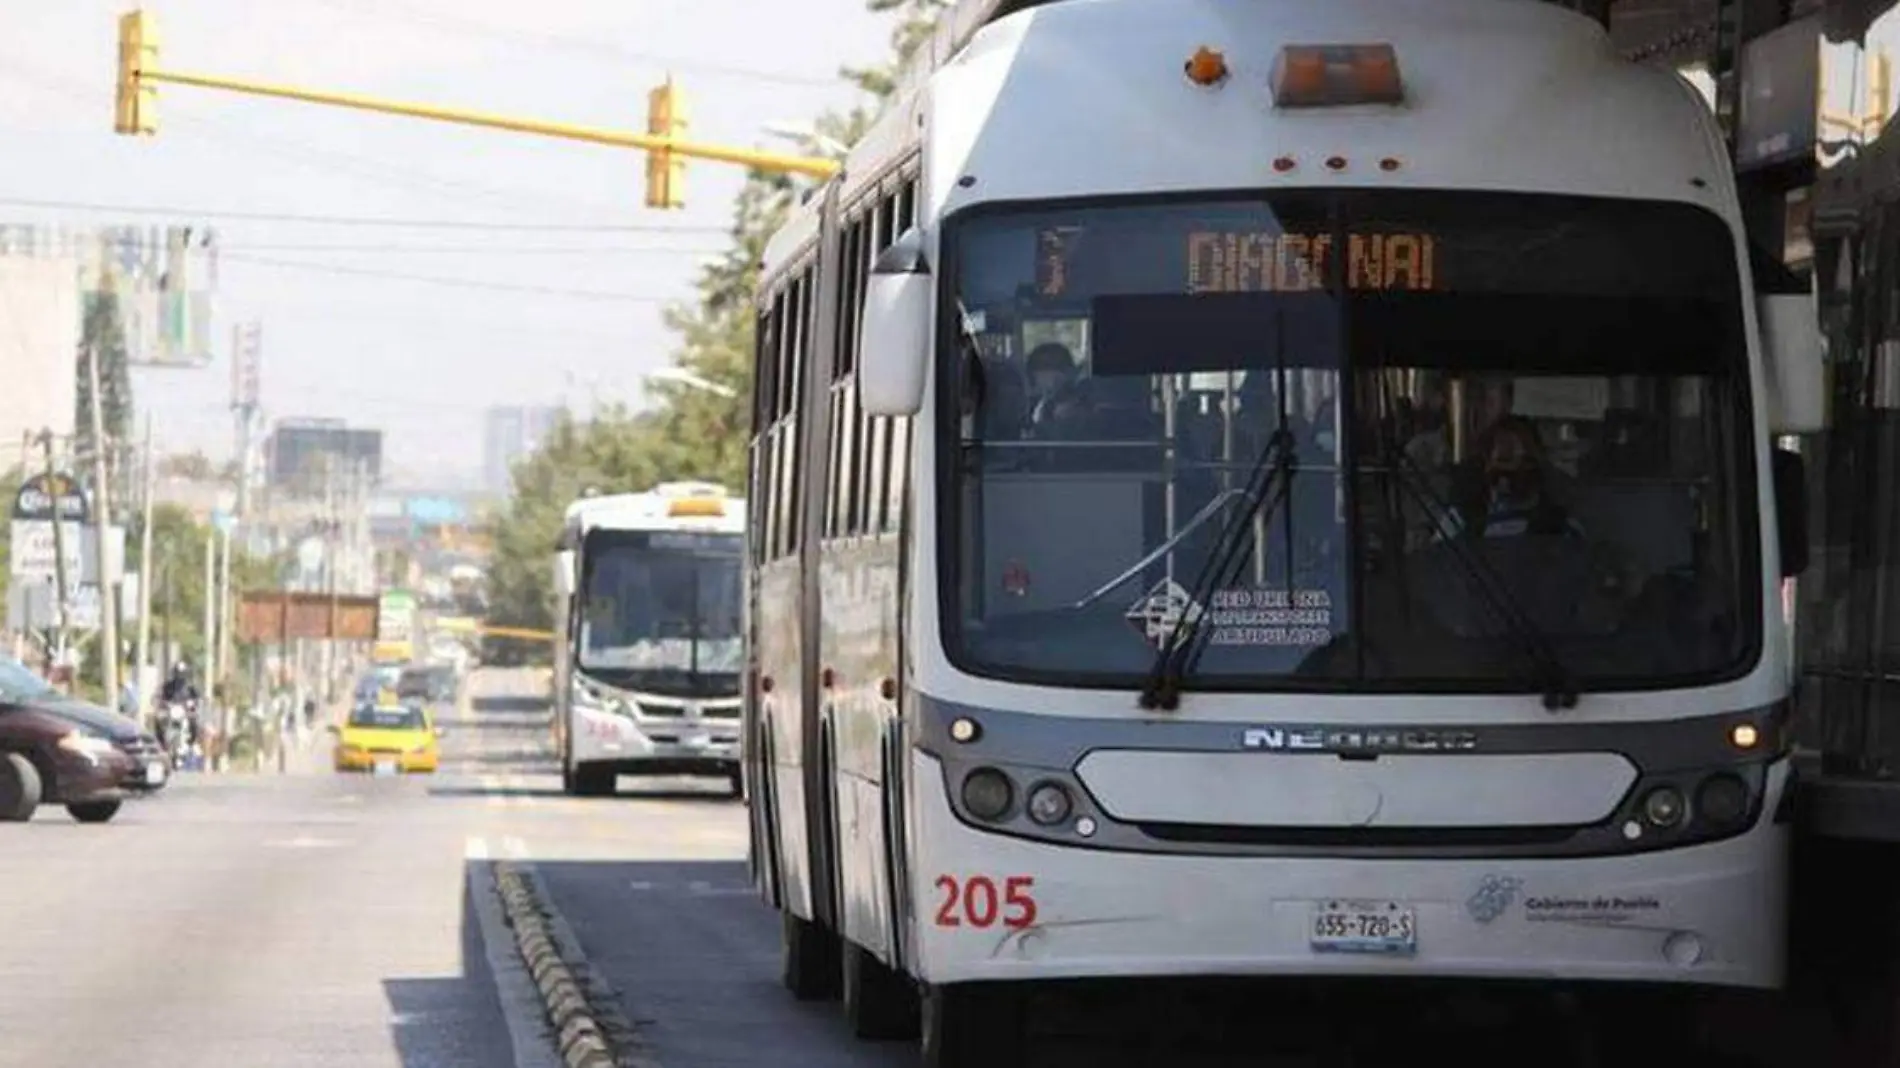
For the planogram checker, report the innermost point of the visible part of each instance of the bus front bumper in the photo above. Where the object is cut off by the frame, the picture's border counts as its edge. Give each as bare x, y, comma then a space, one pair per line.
664, 748
993, 907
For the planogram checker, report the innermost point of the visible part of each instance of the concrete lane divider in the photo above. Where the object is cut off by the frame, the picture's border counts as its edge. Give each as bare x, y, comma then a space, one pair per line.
582, 1011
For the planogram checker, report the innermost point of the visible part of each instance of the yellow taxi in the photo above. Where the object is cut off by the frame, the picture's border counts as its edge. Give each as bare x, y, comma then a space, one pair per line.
388, 738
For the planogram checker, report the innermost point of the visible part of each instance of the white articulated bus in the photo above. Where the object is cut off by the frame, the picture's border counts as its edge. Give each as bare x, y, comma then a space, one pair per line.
647, 636
1271, 488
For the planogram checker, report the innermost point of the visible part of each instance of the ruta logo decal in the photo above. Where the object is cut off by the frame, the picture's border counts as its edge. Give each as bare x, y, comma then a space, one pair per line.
1162, 610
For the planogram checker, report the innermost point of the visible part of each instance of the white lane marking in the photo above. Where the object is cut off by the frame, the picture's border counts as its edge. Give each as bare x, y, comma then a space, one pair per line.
521, 1008
514, 848
696, 888
303, 841
475, 849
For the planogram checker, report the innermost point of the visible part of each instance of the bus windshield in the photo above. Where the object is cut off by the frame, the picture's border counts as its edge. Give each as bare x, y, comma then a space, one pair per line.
1504, 416
660, 611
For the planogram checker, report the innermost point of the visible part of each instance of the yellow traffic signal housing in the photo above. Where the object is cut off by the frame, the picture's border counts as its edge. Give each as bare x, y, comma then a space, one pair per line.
666, 170
136, 110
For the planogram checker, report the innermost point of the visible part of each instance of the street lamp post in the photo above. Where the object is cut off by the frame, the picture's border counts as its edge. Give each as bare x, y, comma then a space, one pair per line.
681, 376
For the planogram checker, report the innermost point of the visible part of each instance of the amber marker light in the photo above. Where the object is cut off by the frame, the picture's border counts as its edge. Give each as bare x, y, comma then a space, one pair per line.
1206, 67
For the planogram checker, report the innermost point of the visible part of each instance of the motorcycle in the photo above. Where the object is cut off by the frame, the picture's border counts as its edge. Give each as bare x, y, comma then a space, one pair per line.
179, 745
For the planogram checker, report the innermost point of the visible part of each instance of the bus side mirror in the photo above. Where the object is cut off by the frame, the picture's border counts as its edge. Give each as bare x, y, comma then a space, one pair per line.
1795, 356
1791, 510
894, 342
564, 573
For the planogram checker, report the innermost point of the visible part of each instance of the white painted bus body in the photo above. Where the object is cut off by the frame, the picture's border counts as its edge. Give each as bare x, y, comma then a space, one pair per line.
855, 824
603, 730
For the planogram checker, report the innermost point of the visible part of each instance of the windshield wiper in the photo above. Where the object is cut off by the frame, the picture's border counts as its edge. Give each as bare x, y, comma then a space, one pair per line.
1560, 687
1163, 688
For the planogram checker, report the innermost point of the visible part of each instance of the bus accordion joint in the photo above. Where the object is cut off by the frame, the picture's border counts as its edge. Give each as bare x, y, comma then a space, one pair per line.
1319, 76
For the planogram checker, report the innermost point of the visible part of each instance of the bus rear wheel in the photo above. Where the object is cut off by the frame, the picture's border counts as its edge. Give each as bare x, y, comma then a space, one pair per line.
810, 966
880, 1003
972, 1025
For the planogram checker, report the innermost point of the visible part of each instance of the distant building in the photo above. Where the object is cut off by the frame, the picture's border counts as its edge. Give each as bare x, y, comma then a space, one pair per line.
302, 456
39, 301
509, 435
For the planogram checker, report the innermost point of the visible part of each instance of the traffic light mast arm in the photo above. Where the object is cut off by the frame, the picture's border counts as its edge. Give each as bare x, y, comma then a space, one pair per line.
765, 161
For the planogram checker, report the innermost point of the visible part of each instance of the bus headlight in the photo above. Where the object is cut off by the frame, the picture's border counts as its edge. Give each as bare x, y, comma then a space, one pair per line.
1663, 807
1722, 799
1049, 804
987, 794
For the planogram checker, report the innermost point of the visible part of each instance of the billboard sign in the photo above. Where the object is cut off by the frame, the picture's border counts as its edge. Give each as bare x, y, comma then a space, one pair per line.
280, 615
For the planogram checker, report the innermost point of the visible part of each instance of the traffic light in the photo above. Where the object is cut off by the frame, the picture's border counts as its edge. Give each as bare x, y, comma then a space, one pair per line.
137, 105
666, 170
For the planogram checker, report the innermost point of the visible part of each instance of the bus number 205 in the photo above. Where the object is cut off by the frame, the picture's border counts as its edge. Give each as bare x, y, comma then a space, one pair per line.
978, 902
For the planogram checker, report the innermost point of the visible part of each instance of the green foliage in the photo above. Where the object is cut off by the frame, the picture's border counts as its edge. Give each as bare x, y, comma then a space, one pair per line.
101, 328
9, 485
178, 595
692, 432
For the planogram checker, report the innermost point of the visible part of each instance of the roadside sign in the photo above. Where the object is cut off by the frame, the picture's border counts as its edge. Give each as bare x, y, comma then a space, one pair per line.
32, 554
59, 494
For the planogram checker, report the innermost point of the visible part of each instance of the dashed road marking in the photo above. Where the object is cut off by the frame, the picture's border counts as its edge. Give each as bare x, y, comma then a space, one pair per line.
303, 841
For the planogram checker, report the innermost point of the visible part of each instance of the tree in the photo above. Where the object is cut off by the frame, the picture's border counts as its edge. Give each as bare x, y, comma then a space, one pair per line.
178, 591
9, 486
691, 433
101, 329
615, 452
190, 466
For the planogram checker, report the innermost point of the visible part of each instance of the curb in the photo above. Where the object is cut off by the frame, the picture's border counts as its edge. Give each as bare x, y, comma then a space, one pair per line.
582, 1013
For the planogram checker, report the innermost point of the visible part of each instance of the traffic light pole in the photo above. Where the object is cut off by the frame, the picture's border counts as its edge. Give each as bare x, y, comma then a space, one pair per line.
138, 76
765, 161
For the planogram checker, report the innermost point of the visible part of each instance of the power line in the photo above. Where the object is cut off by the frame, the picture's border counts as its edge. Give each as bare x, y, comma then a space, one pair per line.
456, 283
588, 45
360, 220
511, 250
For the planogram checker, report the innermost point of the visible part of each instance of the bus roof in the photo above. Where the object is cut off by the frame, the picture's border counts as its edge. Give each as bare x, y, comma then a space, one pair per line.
1066, 98
670, 506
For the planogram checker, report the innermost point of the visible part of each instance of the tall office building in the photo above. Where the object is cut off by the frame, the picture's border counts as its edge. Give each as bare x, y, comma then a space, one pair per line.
511, 434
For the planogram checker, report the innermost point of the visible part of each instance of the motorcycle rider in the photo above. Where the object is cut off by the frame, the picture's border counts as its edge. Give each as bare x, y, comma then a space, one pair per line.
180, 693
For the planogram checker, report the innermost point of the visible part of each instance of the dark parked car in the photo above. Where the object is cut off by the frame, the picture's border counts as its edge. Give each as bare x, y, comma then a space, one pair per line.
56, 749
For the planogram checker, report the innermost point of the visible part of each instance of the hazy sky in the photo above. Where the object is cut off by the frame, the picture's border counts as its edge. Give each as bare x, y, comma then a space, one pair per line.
420, 360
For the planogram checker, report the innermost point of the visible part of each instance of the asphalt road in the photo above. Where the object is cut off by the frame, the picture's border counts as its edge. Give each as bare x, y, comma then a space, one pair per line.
314, 919
268, 920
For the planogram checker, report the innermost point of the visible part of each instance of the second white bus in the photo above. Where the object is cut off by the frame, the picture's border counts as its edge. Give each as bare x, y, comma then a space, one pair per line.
647, 636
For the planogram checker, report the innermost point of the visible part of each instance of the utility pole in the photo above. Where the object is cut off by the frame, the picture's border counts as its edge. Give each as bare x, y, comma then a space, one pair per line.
109, 652
143, 663
59, 554
327, 655
221, 686
211, 607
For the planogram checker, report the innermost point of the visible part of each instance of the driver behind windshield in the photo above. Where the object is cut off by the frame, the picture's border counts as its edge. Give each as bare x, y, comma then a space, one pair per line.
1512, 499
